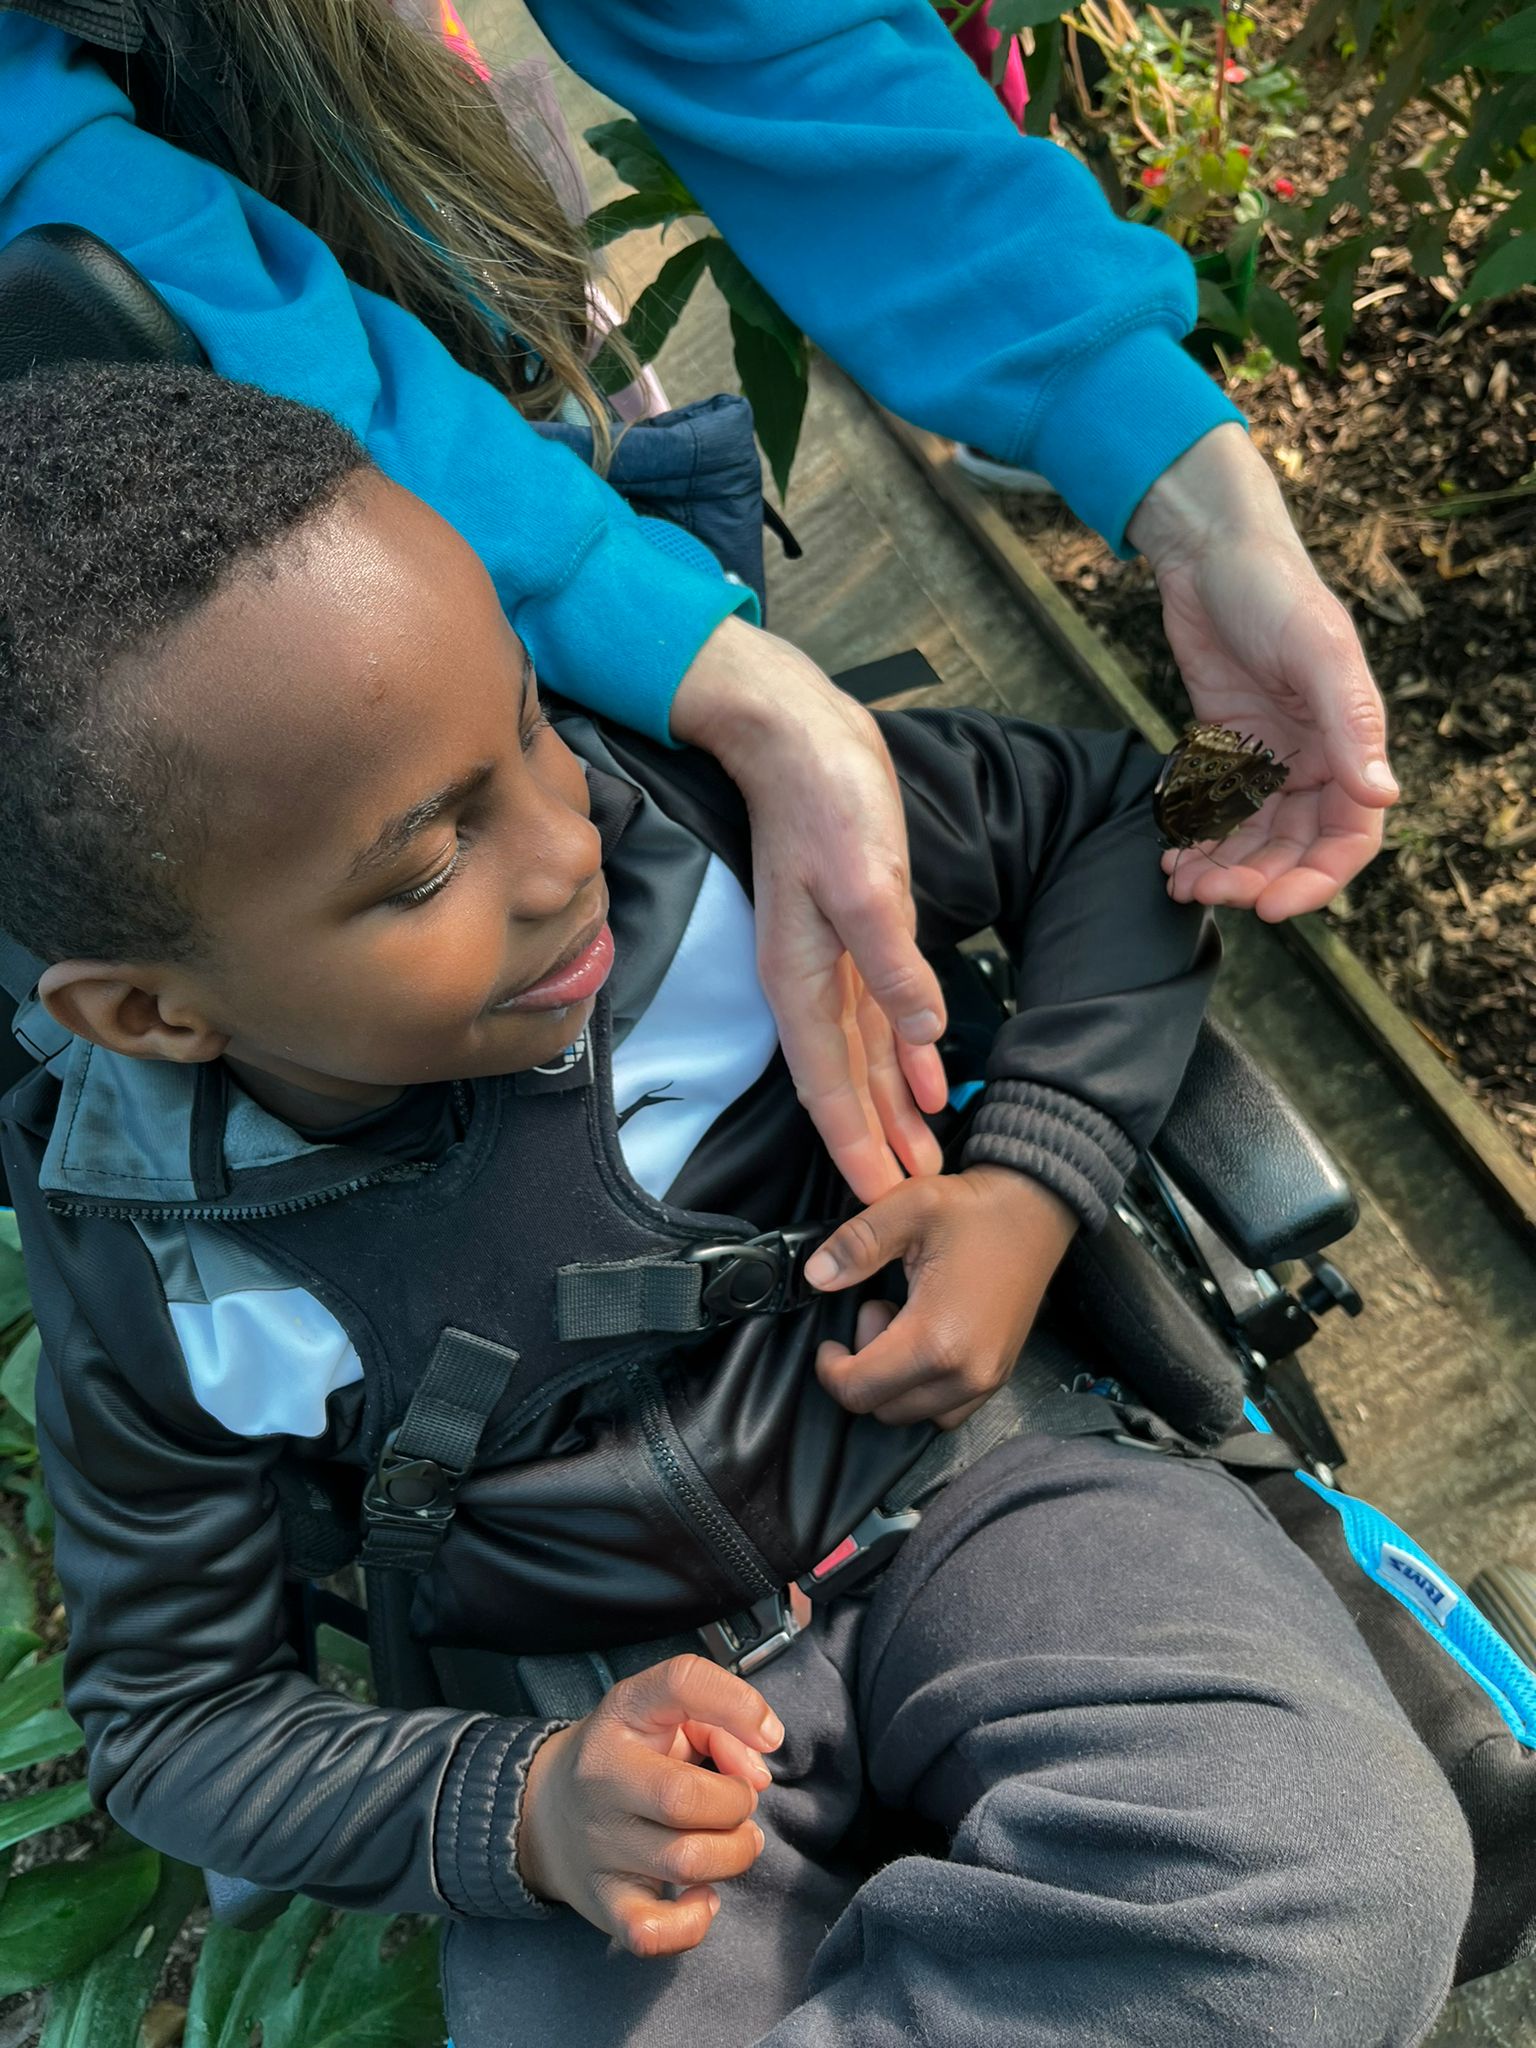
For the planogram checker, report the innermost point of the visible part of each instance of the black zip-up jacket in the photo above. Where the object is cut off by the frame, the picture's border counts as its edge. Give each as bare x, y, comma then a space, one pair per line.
205, 1737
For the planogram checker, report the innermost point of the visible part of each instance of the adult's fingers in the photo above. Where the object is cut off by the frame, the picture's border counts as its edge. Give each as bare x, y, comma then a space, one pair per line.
816, 1028
890, 1092
634, 1913
727, 1753
1326, 666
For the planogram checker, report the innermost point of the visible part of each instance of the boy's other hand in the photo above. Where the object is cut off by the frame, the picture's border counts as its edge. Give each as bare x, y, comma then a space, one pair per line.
618, 1809
979, 1248
859, 1009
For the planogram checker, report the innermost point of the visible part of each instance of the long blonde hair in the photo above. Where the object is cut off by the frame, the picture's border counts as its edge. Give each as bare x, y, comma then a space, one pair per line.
395, 153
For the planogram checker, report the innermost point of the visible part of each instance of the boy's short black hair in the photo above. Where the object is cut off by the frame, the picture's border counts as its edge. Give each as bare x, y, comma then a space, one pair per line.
128, 493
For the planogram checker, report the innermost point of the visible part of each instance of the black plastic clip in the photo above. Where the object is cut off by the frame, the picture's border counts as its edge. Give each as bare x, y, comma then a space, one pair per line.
758, 1277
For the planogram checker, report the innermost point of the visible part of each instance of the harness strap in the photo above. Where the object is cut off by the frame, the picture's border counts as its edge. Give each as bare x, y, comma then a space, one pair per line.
408, 1503
689, 1291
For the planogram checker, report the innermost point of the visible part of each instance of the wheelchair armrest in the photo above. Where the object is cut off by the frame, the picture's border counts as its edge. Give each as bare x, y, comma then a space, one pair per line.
1239, 1149
66, 296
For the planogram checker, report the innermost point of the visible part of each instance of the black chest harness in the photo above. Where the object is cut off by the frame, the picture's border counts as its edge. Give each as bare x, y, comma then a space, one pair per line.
591, 1420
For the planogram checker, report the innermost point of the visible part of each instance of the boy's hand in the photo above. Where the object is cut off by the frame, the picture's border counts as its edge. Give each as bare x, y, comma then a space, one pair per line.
617, 1809
979, 1248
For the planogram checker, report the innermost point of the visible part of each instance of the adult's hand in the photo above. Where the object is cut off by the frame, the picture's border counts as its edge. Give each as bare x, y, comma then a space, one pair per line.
1265, 648
858, 1007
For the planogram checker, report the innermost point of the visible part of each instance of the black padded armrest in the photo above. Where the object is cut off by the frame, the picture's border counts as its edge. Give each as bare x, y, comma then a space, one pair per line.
67, 297
1239, 1148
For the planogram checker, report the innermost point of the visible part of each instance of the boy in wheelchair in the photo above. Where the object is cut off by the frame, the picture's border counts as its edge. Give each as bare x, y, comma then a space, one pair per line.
412, 1133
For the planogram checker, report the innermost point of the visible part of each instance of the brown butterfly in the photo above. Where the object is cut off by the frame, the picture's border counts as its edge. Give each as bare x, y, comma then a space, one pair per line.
1211, 782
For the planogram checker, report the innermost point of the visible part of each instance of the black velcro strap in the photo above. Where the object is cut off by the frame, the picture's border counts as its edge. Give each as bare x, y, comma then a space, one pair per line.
409, 1500
622, 1300
691, 1291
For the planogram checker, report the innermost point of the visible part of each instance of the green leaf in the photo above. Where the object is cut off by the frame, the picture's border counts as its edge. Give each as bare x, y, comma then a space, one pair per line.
18, 1376
241, 1977
56, 1919
746, 298
34, 1814
1337, 277
1412, 186
346, 1998
1217, 310
349, 1998
16, 1643
656, 312
1008, 17
639, 162
1510, 46
18, 1603
1426, 245
49, 1734
1504, 271
774, 385
14, 1299
634, 210
1275, 324
101, 2006
25, 1693
1042, 74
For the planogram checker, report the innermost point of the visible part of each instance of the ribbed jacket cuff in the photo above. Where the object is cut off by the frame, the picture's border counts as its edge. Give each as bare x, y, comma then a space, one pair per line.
1072, 1149
474, 1837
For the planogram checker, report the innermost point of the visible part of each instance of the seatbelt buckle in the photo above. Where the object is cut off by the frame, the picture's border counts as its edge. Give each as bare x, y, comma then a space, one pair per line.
862, 1551
745, 1642
757, 1276
405, 1492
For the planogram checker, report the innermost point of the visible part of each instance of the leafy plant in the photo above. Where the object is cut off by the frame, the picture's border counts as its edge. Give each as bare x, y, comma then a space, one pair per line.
772, 355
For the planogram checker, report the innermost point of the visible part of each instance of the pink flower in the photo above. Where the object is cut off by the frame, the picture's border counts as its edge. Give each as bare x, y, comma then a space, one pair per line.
1234, 74
1284, 188
1154, 175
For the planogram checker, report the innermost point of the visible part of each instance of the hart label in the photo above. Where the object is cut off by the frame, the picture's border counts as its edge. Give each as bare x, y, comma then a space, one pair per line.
1416, 1582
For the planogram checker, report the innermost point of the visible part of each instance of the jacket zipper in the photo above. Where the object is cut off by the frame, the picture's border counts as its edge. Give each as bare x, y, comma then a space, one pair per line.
207, 1212
700, 1509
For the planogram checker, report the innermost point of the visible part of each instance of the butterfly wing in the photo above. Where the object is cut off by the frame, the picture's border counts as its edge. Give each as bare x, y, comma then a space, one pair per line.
1210, 783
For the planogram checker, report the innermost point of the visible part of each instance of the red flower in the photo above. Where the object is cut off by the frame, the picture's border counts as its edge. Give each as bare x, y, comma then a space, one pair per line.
1154, 175
1242, 149
1284, 189
1234, 74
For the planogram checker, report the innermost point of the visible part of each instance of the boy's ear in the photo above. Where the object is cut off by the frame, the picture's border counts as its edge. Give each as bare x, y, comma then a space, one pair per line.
110, 1005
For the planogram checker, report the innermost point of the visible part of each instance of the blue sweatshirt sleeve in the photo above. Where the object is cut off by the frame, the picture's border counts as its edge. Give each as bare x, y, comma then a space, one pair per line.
610, 619
974, 281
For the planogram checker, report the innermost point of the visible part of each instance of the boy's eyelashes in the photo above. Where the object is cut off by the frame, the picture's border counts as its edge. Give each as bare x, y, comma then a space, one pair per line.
423, 892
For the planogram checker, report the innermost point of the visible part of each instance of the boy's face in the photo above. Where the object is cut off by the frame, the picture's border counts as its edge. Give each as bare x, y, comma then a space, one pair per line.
401, 882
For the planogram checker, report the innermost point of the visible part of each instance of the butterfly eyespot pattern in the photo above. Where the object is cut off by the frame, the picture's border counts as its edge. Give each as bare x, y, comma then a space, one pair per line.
1212, 781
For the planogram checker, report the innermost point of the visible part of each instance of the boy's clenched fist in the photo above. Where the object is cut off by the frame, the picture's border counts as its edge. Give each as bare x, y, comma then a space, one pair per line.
618, 1808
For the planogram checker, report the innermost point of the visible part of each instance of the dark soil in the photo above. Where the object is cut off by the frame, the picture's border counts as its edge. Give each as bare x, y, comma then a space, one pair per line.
1417, 416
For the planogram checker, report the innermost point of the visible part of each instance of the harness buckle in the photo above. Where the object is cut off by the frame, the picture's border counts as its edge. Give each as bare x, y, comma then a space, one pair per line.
759, 1276
745, 1642
860, 1553
406, 1492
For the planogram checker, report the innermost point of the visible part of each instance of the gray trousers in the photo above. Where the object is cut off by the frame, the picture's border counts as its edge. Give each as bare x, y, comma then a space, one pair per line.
1159, 1794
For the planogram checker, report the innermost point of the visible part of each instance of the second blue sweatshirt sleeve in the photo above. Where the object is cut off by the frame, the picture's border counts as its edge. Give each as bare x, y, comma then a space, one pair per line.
974, 281
610, 619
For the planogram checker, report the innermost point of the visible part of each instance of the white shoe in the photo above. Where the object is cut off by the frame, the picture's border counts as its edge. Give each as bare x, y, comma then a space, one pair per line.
992, 475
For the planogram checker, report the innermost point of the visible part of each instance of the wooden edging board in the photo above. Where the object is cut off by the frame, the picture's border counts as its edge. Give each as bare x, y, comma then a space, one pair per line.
1334, 962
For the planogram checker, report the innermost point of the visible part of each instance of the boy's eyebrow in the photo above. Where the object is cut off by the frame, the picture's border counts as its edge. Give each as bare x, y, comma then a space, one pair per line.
394, 839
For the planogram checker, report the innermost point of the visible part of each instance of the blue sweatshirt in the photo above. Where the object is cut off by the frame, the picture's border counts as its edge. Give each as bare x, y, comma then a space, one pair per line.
974, 281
